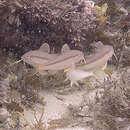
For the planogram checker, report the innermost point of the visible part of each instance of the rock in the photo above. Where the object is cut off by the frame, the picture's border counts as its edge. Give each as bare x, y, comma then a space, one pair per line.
3, 115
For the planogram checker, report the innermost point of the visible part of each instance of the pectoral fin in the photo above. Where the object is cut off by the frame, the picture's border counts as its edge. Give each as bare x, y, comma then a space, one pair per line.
107, 71
67, 69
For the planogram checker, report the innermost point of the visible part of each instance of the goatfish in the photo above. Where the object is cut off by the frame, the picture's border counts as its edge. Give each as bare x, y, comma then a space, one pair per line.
98, 60
42, 60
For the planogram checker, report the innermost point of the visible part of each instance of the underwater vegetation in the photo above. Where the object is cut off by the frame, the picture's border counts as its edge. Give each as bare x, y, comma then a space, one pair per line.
27, 24
110, 108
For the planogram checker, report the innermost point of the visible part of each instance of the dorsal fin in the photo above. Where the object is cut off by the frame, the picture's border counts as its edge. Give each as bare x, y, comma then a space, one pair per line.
65, 48
45, 48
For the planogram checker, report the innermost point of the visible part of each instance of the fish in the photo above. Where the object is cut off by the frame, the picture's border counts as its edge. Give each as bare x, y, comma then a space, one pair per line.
74, 75
42, 60
98, 60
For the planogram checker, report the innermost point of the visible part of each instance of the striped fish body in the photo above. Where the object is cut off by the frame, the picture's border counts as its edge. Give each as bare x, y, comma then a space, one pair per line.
64, 61
98, 60
38, 58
